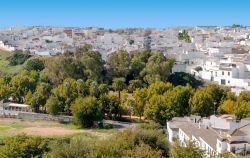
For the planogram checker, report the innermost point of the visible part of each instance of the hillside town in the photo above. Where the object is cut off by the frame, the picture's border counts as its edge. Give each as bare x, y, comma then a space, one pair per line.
219, 55
216, 54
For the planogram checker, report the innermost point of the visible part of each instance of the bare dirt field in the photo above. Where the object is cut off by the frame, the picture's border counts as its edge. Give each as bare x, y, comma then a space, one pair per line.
10, 127
47, 131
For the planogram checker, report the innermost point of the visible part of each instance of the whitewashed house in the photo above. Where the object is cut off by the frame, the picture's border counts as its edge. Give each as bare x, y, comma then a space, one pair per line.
6, 47
215, 135
231, 70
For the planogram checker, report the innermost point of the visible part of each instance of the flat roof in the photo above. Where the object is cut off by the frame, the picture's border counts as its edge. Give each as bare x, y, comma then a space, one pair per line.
17, 105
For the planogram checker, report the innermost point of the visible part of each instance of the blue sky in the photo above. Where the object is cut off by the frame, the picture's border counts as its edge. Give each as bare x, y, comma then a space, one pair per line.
124, 13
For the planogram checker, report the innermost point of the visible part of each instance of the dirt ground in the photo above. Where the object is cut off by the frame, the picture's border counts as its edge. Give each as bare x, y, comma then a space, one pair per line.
47, 131
9, 127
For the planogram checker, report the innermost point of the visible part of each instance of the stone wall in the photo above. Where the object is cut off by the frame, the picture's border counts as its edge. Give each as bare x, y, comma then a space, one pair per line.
35, 116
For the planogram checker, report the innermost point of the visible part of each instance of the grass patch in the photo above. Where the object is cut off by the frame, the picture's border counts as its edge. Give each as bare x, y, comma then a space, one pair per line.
85, 136
18, 126
103, 130
3, 128
70, 126
3, 131
4, 64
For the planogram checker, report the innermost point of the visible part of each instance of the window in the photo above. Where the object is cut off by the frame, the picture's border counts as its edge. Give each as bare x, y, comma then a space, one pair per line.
223, 81
216, 73
228, 73
222, 72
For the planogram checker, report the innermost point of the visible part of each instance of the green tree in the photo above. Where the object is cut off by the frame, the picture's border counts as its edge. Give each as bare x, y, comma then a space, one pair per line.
140, 96
110, 105
28, 99
242, 105
134, 84
81, 87
138, 63
118, 64
59, 68
244, 96
159, 88
66, 92
54, 106
5, 90
103, 88
182, 78
202, 103
217, 92
22, 146
177, 100
118, 85
79, 52
85, 111
43, 92
20, 85
183, 35
242, 109
93, 65
158, 68
156, 109
34, 64
227, 107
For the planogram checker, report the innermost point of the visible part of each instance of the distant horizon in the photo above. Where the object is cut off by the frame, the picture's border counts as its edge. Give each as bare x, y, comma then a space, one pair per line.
115, 14
106, 28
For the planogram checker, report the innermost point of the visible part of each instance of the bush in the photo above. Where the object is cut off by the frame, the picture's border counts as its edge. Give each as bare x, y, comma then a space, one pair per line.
191, 151
54, 106
148, 142
18, 58
23, 146
34, 64
85, 111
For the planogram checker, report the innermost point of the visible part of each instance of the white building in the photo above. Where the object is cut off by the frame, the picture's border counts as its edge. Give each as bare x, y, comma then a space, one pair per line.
6, 47
12, 109
215, 135
179, 67
231, 70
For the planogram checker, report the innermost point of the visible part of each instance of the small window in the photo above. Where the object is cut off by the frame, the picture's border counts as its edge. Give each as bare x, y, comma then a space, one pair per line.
228, 81
228, 73
222, 72
223, 81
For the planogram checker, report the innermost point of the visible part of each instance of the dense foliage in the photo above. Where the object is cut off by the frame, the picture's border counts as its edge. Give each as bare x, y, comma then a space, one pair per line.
18, 58
22, 146
139, 83
190, 151
184, 36
146, 141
